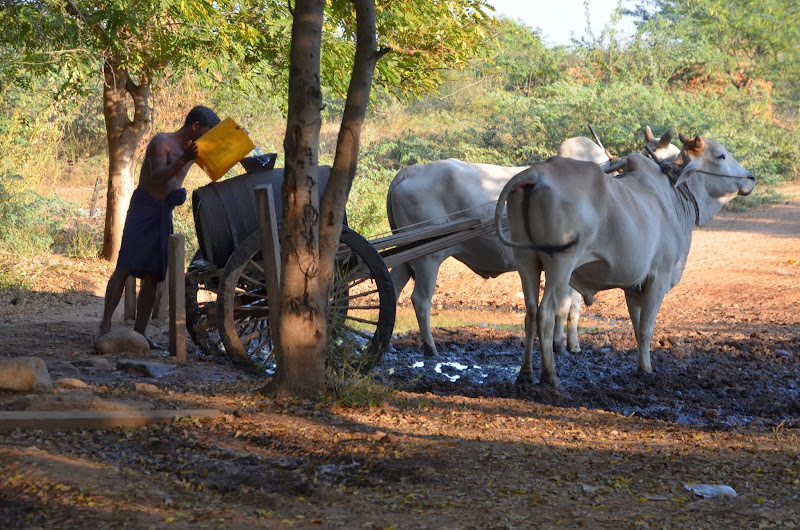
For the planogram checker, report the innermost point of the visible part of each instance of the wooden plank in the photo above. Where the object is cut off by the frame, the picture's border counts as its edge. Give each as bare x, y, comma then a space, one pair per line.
402, 254
270, 244
177, 297
406, 237
50, 420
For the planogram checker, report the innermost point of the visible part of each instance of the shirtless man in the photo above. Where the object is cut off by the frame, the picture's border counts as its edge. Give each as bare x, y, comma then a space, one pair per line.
148, 225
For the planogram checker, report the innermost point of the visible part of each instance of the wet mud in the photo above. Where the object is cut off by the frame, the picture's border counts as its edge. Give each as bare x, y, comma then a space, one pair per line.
703, 379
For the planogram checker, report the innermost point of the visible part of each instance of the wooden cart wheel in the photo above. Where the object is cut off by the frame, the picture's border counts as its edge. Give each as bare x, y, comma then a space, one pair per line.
201, 306
362, 305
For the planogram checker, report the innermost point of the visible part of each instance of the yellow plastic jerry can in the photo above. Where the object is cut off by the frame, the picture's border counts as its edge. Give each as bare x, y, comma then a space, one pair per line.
222, 147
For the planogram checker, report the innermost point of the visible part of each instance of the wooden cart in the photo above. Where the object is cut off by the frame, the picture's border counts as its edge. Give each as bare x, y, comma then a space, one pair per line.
227, 308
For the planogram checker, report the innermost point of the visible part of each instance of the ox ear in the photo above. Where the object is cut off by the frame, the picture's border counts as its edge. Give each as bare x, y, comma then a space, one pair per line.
686, 172
690, 144
665, 139
648, 134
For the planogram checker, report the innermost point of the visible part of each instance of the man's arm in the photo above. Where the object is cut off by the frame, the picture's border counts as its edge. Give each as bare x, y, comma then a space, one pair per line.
161, 161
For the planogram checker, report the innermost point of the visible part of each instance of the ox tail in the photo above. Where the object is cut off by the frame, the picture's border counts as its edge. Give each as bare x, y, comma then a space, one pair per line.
528, 180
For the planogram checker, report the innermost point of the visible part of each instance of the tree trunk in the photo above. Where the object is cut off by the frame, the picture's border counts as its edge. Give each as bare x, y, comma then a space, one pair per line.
345, 162
301, 321
124, 136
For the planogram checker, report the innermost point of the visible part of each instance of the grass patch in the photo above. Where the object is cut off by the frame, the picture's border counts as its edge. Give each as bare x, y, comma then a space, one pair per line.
352, 389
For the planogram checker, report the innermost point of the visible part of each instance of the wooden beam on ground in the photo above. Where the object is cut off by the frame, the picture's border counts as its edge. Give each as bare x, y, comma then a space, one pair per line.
130, 299
177, 298
50, 420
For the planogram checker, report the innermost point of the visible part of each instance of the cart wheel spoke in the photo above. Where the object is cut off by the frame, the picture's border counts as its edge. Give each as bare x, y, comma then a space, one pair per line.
243, 318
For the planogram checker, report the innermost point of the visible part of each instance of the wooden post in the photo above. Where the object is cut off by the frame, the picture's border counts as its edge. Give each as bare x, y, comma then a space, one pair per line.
177, 298
130, 299
161, 304
270, 245
95, 196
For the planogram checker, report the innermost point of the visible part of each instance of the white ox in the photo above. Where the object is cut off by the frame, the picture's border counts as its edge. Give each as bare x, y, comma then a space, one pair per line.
592, 232
447, 190
582, 148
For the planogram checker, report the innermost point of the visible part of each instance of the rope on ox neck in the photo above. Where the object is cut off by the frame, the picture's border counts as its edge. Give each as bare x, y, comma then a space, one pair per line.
684, 190
723, 175
673, 172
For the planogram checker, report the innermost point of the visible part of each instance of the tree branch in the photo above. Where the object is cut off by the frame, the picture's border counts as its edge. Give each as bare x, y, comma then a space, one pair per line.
74, 11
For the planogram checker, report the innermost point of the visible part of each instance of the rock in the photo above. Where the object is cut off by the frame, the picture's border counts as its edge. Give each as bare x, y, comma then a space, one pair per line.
122, 340
24, 374
148, 388
99, 363
145, 368
69, 382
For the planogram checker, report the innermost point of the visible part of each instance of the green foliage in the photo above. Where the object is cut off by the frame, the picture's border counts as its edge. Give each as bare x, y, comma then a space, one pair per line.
518, 58
79, 238
512, 105
743, 41
28, 221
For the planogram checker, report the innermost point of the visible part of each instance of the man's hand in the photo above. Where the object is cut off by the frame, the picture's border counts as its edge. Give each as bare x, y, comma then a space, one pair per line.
189, 151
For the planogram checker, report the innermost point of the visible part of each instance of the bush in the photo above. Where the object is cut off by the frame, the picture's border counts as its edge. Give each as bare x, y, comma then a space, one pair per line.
28, 222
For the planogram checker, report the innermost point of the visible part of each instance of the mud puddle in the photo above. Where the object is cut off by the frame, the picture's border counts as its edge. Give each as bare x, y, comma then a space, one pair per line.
699, 380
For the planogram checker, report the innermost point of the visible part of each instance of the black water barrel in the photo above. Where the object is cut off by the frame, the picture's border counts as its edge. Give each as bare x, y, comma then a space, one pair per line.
225, 211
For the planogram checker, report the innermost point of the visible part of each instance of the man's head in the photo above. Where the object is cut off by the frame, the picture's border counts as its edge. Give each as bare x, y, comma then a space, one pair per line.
203, 116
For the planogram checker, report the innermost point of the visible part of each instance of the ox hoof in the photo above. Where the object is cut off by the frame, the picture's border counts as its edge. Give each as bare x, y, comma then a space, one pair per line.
429, 352
575, 348
524, 379
550, 381
559, 348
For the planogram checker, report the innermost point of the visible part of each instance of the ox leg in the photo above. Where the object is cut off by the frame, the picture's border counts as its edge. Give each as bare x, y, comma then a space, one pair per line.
400, 276
651, 301
425, 275
562, 317
572, 323
529, 275
555, 300
634, 301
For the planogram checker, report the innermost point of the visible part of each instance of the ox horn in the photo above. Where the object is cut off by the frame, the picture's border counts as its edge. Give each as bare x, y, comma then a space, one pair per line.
665, 139
648, 134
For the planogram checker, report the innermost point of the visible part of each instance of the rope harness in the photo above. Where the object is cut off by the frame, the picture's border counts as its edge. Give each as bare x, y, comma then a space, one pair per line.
674, 171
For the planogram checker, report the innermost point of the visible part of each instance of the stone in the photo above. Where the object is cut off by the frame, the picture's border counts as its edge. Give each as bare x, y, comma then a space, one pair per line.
24, 374
69, 382
122, 340
98, 363
148, 388
145, 368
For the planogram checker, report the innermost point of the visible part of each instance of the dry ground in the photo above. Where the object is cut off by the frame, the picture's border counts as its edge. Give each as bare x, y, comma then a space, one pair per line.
448, 455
